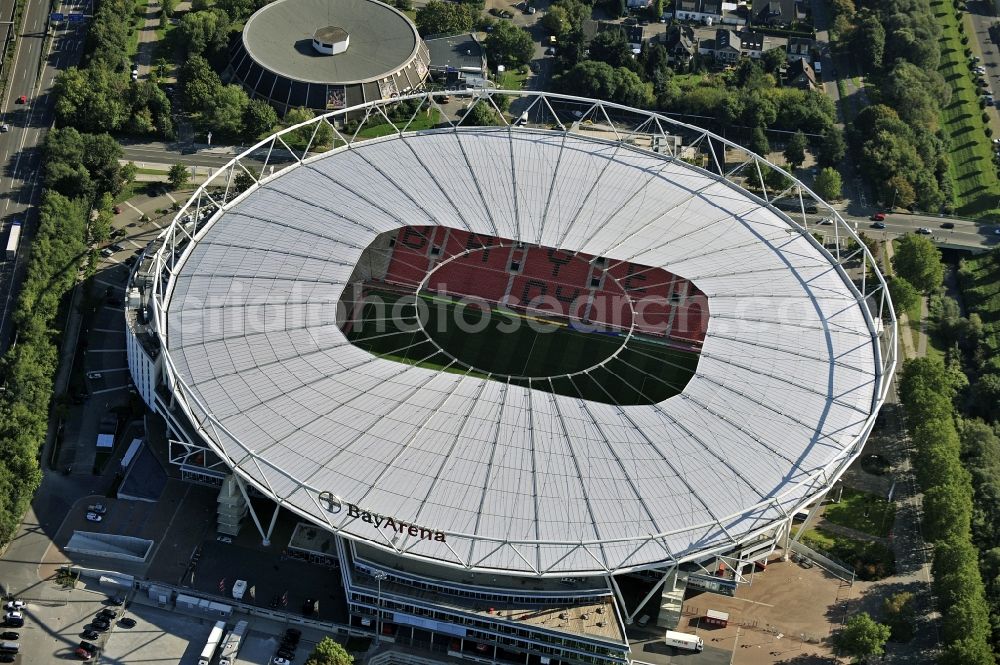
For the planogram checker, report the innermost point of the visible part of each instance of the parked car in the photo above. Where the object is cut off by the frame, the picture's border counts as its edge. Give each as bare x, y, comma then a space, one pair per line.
13, 619
15, 605
878, 217
278, 660
100, 624
4, 127
107, 613
224, 539
89, 634
83, 654
286, 653
94, 517
878, 225
98, 508
23, 99
126, 622
116, 248
948, 225
106, 252
10, 635
923, 230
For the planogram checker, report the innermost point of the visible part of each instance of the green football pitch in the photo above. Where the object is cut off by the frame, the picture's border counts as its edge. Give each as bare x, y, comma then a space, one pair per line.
512, 347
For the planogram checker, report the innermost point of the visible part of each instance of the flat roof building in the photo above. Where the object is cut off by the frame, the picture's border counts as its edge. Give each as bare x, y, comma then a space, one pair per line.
328, 54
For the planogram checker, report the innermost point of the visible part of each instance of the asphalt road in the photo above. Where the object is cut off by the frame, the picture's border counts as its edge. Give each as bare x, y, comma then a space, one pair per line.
20, 148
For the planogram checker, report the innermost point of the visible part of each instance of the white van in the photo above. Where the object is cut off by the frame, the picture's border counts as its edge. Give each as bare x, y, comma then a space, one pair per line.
683, 641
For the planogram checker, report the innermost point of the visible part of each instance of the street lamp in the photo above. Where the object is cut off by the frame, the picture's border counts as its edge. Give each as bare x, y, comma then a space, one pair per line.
895, 192
379, 575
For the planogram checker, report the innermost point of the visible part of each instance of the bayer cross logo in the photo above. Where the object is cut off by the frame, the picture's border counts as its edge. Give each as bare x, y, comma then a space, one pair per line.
330, 502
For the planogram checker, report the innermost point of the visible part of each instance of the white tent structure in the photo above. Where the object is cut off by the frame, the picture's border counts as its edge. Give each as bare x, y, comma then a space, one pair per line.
462, 471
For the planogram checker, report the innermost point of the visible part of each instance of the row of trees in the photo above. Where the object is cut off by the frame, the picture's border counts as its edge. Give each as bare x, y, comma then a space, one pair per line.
899, 146
225, 109
101, 97
928, 389
79, 169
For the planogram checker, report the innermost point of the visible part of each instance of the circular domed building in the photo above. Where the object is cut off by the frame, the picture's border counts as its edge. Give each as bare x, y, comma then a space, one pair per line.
327, 55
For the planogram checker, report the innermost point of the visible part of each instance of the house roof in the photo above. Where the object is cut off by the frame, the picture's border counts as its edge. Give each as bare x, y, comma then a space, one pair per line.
455, 51
752, 41
769, 10
800, 72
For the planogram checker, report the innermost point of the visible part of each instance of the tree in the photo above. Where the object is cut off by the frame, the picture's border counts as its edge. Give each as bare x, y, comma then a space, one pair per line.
868, 40
918, 261
205, 32
329, 652
127, 174
482, 114
225, 111
899, 615
831, 147
773, 60
259, 118
612, 47
178, 176
901, 191
316, 135
438, 17
903, 295
509, 45
404, 5
828, 184
758, 142
862, 637
795, 150
237, 10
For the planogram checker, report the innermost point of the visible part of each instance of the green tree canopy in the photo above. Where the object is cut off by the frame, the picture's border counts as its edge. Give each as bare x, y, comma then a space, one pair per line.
862, 637
329, 652
903, 295
178, 176
918, 261
828, 184
259, 118
509, 45
205, 32
832, 147
795, 150
438, 17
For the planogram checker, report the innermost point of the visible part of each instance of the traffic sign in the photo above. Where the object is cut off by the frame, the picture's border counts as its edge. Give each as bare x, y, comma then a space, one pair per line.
76, 18
56, 16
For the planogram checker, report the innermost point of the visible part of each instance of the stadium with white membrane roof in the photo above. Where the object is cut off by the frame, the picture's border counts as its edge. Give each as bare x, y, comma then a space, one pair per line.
523, 499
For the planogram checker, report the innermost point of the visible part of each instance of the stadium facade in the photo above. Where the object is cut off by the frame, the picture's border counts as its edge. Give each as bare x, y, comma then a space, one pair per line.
328, 55
501, 502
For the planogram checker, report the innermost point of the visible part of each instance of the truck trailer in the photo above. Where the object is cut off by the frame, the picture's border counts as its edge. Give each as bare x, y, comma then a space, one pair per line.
231, 647
683, 641
212, 644
13, 239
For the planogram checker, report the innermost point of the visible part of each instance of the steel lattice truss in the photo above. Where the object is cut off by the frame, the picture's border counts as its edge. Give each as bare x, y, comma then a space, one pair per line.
793, 370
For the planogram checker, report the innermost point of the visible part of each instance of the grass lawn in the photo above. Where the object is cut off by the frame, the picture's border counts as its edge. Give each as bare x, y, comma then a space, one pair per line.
424, 120
977, 189
138, 21
512, 80
862, 511
870, 561
495, 341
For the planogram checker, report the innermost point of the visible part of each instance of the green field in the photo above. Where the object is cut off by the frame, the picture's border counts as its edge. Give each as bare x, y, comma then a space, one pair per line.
510, 347
976, 186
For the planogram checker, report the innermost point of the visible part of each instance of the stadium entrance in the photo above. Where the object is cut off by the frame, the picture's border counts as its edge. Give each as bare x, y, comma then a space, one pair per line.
607, 330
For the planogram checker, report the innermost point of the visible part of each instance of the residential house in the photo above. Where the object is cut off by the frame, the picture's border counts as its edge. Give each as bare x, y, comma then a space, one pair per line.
800, 48
708, 12
751, 43
728, 47
800, 74
634, 35
778, 13
680, 43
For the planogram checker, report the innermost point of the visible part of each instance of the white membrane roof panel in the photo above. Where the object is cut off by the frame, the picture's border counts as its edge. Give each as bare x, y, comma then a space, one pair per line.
510, 477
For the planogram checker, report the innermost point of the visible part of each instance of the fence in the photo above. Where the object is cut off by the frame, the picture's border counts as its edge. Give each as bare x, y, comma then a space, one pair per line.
836, 568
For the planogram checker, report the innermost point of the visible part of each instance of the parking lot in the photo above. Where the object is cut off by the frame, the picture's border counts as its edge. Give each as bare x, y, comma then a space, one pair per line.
53, 629
159, 636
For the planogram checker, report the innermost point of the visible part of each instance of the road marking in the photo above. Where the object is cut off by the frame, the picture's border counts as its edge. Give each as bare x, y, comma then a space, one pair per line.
172, 199
135, 244
109, 390
129, 204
